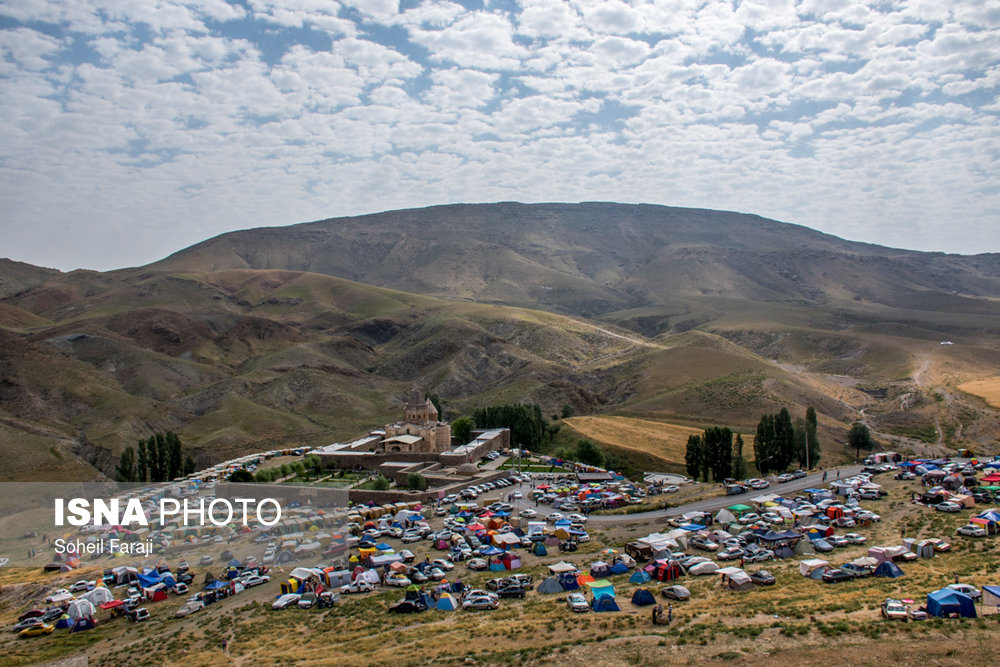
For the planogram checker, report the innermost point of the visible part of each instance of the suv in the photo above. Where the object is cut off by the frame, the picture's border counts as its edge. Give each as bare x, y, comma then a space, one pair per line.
894, 610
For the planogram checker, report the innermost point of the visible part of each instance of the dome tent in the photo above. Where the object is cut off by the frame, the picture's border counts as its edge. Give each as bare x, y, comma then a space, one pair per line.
642, 597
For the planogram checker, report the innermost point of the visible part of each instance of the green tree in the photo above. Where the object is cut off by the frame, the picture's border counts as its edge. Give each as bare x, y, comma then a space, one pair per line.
589, 454
264, 476
141, 462
241, 475
189, 467
764, 447
859, 437
717, 453
568, 411
286, 470
739, 463
125, 472
461, 429
175, 457
693, 456
380, 483
415, 480
784, 436
526, 423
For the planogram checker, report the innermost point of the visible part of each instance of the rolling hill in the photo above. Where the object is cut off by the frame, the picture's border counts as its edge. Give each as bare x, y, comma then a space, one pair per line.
313, 332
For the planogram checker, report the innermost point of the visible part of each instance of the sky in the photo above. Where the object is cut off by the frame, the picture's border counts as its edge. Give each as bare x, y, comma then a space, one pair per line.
130, 129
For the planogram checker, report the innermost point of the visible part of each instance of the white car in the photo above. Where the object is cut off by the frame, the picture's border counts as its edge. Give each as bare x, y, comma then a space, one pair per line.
671, 488
972, 530
359, 586
81, 586
398, 580
948, 506
556, 516
971, 591
577, 602
255, 580
517, 495
577, 518
528, 513
58, 595
854, 538
443, 564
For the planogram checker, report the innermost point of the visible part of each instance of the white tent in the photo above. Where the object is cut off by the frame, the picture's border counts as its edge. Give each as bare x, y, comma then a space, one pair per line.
740, 581
78, 609
562, 566
807, 567
98, 596
724, 516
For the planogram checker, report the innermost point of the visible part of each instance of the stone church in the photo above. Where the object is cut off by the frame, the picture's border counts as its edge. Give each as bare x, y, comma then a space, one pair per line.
419, 432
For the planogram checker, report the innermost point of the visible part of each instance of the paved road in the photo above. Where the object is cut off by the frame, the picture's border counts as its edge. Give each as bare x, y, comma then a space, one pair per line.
814, 480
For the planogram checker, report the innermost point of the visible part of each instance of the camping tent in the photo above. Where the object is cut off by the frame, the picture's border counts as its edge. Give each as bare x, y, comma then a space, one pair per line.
600, 569
739, 581
98, 596
605, 603
888, 569
550, 585
539, 549
568, 581
78, 609
947, 601
991, 596
814, 567
601, 587
561, 567
619, 568
447, 603
510, 561
639, 577
642, 597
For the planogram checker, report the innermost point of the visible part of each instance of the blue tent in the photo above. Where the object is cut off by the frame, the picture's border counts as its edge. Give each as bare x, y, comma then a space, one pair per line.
642, 598
497, 567
947, 601
639, 577
215, 585
568, 581
539, 549
383, 546
447, 603
600, 569
888, 569
491, 551
692, 527
619, 568
604, 603
150, 579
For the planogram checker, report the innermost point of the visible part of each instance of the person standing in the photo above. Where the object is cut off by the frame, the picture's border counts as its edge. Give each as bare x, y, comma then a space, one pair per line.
670, 611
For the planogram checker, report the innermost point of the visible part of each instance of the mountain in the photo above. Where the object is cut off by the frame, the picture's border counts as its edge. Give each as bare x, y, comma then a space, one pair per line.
17, 276
314, 332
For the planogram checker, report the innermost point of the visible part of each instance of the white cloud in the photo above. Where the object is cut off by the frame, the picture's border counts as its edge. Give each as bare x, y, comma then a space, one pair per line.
182, 127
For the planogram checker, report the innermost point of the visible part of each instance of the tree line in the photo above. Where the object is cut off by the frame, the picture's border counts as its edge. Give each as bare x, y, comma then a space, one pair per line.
528, 428
779, 442
715, 455
160, 458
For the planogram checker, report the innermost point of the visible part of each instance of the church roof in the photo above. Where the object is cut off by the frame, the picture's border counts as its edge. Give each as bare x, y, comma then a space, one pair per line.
405, 439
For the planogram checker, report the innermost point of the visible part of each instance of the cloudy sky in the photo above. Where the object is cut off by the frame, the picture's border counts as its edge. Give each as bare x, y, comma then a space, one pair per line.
132, 128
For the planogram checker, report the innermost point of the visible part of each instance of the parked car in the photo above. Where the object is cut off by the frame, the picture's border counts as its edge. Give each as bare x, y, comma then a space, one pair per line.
703, 543
288, 599
81, 586
359, 586
577, 602
29, 622
408, 607
478, 564
480, 602
837, 541
762, 578
822, 546
858, 570
256, 580
854, 538
181, 588
675, 593
511, 591
139, 615
406, 555
756, 554
397, 580
948, 506
58, 595
306, 601
37, 630
894, 610
190, 607
730, 553
939, 545
972, 530
785, 477
206, 560
971, 591
836, 576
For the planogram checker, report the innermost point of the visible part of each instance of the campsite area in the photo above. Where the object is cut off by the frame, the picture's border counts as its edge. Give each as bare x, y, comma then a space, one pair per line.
799, 619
